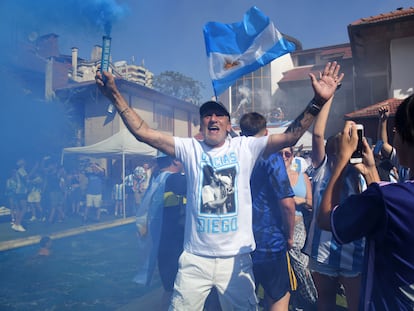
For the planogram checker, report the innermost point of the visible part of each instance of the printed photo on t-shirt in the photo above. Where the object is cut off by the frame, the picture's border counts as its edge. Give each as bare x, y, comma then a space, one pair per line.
217, 195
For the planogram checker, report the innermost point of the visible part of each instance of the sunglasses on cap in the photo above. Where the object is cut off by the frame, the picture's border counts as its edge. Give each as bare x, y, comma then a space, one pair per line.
286, 154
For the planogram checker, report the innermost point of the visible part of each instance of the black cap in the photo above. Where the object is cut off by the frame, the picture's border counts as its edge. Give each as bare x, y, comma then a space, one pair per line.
212, 106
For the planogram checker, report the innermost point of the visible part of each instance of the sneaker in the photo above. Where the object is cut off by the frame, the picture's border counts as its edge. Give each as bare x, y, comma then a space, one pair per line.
33, 218
18, 228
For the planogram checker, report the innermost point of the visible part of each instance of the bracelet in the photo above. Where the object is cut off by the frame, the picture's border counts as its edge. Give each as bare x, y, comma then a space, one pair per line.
313, 108
140, 125
123, 111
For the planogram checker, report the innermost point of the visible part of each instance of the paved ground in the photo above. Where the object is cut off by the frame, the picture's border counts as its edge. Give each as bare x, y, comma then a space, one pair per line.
91, 268
10, 239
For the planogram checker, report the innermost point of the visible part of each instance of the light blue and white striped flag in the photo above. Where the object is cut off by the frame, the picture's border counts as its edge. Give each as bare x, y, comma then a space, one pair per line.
234, 50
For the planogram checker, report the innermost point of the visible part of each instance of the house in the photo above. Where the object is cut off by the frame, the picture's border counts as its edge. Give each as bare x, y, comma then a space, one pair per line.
378, 63
383, 56
368, 116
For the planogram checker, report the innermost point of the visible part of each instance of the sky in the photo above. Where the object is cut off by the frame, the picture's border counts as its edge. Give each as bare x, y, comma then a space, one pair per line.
168, 34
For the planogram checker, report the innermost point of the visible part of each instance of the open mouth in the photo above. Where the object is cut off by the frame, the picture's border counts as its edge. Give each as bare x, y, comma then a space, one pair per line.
213, 128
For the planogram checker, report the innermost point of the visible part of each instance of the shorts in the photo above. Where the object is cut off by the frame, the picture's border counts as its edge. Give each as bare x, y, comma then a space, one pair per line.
232, 277
273, 275
321, 268
94, 200
34, 197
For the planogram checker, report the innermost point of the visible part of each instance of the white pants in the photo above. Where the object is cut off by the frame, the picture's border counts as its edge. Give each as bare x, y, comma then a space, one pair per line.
232, 276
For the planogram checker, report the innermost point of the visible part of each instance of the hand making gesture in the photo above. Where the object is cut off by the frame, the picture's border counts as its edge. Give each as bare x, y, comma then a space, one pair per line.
328, 82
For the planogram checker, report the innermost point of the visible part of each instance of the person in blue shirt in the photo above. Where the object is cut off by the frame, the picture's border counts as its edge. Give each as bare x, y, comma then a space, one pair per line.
383, 214
273, 219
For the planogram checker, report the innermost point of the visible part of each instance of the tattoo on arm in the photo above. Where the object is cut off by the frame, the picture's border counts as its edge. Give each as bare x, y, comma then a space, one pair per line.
301, 123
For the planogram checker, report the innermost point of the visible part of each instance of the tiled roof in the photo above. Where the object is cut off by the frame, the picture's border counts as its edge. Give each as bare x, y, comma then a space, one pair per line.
372, 111
338, 52
398, 13
300, 73
344, 51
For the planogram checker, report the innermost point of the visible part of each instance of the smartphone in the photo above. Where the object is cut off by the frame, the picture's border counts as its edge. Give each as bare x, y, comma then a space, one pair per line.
357, 155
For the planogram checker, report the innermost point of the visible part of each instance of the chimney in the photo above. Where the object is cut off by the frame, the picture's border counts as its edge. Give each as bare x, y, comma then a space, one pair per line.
96, 53
74, 63
49, 93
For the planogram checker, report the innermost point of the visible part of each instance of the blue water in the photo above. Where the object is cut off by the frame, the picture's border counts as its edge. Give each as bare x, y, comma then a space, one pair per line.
90, 271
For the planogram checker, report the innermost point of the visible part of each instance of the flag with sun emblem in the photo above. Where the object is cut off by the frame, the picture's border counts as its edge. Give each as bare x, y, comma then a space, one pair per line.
236, 49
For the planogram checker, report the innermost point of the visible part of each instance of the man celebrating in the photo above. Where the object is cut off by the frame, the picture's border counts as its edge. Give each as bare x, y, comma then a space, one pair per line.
217, 246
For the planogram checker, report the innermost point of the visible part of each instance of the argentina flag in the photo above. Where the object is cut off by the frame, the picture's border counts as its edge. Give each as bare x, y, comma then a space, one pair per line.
236, 49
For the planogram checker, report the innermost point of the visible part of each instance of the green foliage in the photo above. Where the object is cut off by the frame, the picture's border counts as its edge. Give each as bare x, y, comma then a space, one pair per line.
178, 85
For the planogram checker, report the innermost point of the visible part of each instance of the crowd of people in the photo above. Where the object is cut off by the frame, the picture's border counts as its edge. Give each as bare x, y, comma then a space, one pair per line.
235, 222
280, 214
49, 193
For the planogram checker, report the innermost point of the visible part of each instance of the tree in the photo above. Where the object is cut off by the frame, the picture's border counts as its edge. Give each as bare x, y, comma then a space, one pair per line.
178, 85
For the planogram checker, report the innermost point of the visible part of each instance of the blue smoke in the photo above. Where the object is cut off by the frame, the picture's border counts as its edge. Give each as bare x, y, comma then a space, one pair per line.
45, 16
103, 12
30, 126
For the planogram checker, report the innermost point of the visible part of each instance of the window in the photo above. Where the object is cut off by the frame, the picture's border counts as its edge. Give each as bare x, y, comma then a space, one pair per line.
306, 59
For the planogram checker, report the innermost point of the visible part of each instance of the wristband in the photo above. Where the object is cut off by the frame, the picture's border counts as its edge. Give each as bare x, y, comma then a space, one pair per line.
313, 108
124, 111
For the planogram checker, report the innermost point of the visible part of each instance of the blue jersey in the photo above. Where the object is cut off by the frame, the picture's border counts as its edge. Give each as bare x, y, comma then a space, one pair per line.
384, 214
269, 184
320, 244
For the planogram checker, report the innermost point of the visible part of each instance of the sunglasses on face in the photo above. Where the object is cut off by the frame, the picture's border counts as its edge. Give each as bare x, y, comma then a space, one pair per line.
286, 154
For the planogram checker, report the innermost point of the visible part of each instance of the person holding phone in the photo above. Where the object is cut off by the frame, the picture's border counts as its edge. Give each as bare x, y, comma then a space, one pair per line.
383, 214
357, 155
331, 264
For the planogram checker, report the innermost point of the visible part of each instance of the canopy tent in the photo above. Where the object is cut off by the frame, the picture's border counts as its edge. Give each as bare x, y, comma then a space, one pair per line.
118, 145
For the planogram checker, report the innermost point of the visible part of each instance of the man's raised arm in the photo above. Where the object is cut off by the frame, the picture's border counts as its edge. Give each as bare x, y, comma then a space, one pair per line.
135, 124
324, 88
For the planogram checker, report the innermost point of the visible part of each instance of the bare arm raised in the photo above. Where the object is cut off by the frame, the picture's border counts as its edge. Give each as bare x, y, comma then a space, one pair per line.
318, 134
383, 113
132, 120
324, 88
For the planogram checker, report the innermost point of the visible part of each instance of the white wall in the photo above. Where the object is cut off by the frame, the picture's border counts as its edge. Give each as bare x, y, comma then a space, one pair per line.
402, 67
277, 68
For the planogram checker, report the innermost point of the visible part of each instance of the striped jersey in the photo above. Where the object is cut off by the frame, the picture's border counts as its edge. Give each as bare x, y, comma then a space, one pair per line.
320, 244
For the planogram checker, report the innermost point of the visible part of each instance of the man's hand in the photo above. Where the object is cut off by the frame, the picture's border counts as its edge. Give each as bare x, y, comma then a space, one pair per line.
106, 83
347, 144
368, 161
384, 112
328, 81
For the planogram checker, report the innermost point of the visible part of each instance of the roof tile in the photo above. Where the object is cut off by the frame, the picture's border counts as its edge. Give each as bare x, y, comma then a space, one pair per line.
372, 111
398, 13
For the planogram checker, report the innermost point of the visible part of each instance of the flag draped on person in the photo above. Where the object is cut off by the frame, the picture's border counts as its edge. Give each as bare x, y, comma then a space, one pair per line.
236, 49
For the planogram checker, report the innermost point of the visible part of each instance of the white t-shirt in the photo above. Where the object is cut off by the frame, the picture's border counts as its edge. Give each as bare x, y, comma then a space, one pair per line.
219, 232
